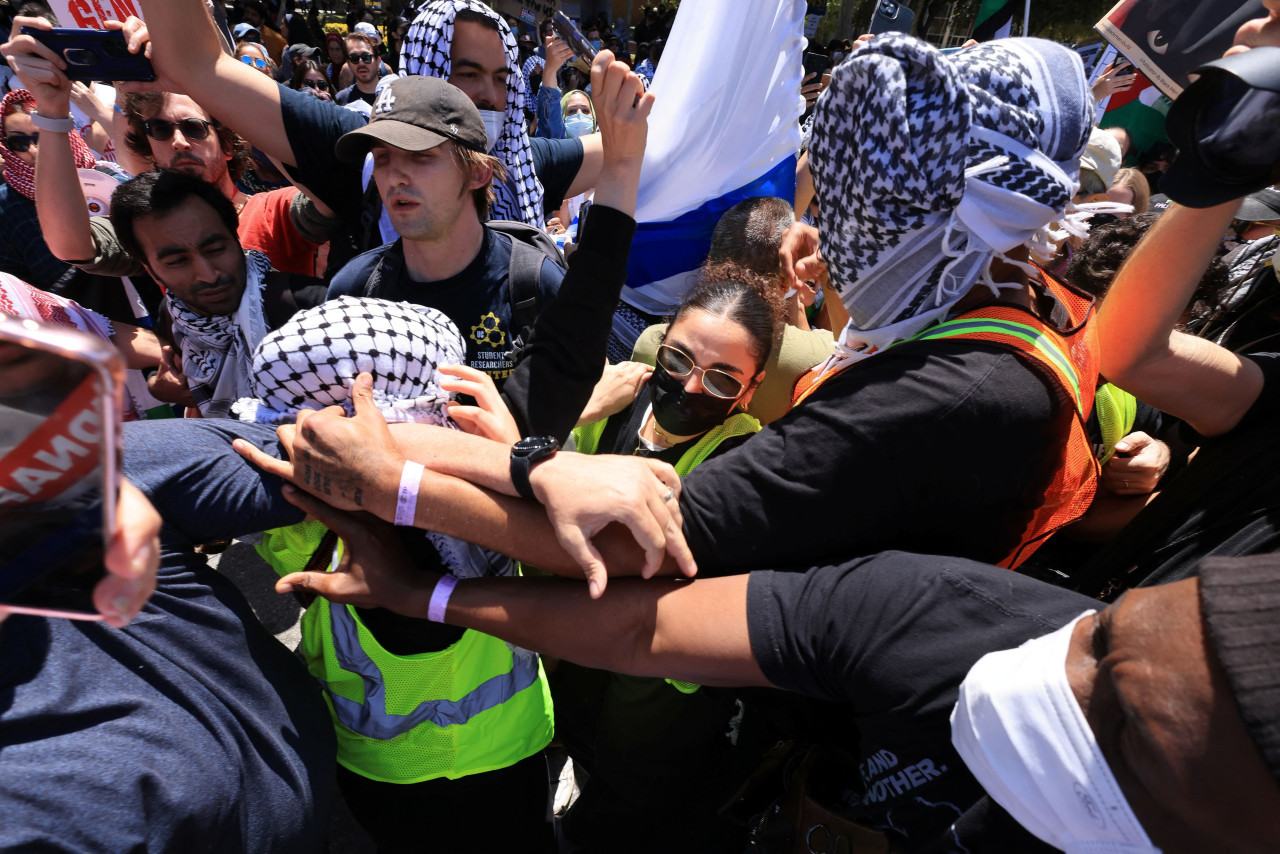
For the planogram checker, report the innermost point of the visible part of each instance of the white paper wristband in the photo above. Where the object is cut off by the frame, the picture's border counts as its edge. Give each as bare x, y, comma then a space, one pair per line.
440, 598
407, 497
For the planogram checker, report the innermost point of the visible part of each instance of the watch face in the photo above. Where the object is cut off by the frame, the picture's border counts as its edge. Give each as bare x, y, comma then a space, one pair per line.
534, 445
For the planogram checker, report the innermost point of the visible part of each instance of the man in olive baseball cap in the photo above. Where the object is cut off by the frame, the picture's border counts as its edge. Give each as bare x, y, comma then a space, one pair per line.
415, 114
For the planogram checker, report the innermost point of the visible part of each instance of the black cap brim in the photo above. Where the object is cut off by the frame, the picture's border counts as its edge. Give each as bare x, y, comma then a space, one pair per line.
1187, 181
354, 145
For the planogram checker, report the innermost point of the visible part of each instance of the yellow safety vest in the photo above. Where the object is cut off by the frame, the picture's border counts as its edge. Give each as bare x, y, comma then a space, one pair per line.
587, 440
477, 706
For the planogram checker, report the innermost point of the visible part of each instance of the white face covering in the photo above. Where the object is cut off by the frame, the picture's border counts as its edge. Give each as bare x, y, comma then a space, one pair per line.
1021, 732
493, 121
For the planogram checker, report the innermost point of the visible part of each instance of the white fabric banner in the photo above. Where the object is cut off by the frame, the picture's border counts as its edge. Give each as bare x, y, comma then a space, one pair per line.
728, 102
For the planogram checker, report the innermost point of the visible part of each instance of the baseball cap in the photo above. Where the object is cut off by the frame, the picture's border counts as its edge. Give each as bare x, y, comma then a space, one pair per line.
244, 31
417, 113
1223, 126
1262, 206
369, 30
1102, 156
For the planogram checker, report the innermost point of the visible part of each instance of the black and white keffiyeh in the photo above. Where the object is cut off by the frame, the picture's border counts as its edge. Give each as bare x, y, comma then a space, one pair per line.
216, 350
928, 166
313, 360
426, 52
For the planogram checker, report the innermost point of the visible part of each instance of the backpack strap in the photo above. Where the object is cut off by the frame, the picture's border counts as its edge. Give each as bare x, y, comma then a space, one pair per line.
386, 270
525, 280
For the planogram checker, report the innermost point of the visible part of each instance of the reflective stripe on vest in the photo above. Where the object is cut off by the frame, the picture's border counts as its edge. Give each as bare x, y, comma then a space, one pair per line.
1030, 334
587, 439
371, 718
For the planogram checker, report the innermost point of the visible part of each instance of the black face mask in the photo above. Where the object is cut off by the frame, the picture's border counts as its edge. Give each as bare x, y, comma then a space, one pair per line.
680, 413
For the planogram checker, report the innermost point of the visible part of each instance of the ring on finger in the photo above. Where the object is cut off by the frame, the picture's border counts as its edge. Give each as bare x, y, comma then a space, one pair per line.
669, 494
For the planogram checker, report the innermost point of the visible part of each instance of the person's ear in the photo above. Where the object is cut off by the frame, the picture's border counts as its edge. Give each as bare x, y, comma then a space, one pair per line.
745, 401
481, 174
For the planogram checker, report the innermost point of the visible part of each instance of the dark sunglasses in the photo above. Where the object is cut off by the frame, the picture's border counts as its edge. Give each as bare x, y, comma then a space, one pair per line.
162, 131
20, 142
680, 364
360, 58
314, 84
260, 64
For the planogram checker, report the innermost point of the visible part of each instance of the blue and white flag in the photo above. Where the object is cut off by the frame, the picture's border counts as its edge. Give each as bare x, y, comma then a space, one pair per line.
725, 127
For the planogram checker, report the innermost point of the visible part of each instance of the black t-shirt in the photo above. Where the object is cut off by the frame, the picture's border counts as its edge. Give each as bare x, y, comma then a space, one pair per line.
477, 299
353, 92
556, 163
1226, 502
936, 446
893, 636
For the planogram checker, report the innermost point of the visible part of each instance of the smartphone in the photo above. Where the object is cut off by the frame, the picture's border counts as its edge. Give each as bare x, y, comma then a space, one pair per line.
891, 17
816, 63
60, 403
94, 54
573, 37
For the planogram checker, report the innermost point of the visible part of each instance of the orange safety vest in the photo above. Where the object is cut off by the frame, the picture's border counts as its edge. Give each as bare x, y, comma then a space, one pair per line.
1068, 358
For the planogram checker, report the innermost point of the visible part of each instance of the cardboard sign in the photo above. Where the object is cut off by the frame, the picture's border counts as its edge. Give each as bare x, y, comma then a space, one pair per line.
92, 14
529, 11
1167, 39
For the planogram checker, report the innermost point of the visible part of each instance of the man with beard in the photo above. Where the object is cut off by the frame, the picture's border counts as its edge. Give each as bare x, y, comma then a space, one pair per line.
164, 131
221, 299
363, 61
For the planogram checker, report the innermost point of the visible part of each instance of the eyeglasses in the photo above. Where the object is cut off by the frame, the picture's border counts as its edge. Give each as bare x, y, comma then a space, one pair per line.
20, 142
680, 365
359, 58
162, 131
313, 84
260, 64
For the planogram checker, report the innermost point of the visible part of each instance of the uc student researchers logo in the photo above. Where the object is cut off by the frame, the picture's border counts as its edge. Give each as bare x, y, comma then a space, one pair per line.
488, 345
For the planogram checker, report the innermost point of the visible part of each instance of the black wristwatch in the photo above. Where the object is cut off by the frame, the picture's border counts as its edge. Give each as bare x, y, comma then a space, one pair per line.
527, 453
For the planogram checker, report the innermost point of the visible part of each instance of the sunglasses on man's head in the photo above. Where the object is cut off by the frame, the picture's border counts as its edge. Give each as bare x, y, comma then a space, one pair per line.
162, 131
359, 58
680, 364
260, 64
21, 142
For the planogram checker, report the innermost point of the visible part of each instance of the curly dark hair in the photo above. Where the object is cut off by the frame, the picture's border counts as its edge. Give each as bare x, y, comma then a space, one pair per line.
140, 106
1094, 266
746, 297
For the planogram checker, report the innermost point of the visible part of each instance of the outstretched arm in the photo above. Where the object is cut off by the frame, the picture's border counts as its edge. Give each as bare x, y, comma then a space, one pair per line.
691, 631
182, 42
1207, 386
60, 205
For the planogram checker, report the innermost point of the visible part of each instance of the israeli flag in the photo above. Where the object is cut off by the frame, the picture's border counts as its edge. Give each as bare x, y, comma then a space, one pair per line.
724, 127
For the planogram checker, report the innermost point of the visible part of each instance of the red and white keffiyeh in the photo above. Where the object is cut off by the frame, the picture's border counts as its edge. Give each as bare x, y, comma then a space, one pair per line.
20, 174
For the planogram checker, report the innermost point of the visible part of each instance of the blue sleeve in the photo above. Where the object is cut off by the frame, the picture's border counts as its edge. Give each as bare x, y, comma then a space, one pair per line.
313, 127
205, 490
550, 119
549, 282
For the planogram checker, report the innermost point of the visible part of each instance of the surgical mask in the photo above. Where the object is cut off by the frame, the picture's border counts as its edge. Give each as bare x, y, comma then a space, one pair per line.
493, 123
683, 414
578, 124
1021, 732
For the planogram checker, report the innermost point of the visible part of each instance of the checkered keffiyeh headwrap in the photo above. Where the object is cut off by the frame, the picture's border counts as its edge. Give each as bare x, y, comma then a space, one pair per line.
426, 52
927, 167
313, 360
20, 174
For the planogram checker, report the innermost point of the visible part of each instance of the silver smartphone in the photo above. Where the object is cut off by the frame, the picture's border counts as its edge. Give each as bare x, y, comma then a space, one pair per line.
60, 404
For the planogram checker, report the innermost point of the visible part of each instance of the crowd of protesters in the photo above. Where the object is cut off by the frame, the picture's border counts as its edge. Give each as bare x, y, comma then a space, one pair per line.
938, 514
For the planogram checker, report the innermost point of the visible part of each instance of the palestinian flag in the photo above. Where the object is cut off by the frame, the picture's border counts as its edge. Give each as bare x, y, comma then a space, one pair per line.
995, 20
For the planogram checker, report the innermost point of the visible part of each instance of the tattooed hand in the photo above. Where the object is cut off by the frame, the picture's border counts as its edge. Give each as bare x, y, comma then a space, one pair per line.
350, 463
